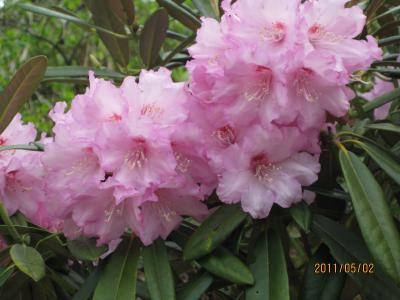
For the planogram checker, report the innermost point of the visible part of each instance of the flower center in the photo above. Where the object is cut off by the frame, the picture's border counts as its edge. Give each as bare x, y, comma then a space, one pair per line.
137, 157
276, 32
262, 169
182, 163
151, 110
115, 117
2, 141
112, 211
260, 86
317, 33
304, 87
225, 135
86, 161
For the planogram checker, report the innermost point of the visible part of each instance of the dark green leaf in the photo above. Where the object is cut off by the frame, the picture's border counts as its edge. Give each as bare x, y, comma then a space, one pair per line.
124, 10
20, 89
213, 231
321, 286
118, 48
393, 10
57, 14
153, 36
227, 266
389, 40
208, 8
84, 248
383, 158
157, 270
373, 214
77, 71
268, 265
384, 126
88, 286
182, 15
118, 280
28, 260
302, 215
5, 273
195, 288
379, 101
347, 247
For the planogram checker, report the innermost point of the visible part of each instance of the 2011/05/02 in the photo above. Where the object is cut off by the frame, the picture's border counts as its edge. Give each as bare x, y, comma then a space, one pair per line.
365, 268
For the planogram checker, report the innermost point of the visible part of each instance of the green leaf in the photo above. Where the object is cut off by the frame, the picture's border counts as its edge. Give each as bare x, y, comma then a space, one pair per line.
195, 288
383, 158
302, 215
118, 48
384, 126
268, 265
179, 13
87, 288
157, 271
28, 260
227, 266
389, 40
321, 286
84, 248
124, 10
373, 214
153, 36
21, 88
5, 273
77, 71
118, 279
347, 247
28, 147
208, 8
213, 231
379, 101
59, 15
393, 10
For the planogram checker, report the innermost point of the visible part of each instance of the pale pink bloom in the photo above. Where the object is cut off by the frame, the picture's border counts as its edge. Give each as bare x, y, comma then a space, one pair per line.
267, 168
380, 88
132, 164
332, 27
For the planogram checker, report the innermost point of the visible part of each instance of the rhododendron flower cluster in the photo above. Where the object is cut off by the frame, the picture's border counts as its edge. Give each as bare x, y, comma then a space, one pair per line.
22, 176
126, 157
265, 77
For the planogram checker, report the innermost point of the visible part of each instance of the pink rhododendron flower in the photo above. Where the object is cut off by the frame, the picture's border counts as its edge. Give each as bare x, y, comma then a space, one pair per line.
380, 88
131, 160
263, 79
22, 174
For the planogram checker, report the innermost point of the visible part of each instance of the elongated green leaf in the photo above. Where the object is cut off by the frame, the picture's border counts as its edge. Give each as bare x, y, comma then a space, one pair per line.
383, 158
373, 214
268, 265
158, 272
379, 101
208, 8
84, 248
373, 7
387, 12
321, 286
57, 14
28, 147
225, 265
5, 273
28, 260
347, 247
88, 286
385, 126
182, 15
124, 10
153, 36
77, 71
118, 280
302, 215
20, 89
118, 48
389, 40
195, 288
213, 231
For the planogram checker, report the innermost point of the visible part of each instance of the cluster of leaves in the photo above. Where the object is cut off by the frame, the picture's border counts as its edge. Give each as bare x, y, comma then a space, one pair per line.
354, 221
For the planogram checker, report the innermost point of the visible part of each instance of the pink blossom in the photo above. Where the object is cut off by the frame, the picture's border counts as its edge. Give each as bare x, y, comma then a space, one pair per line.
131, 160
380, 88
